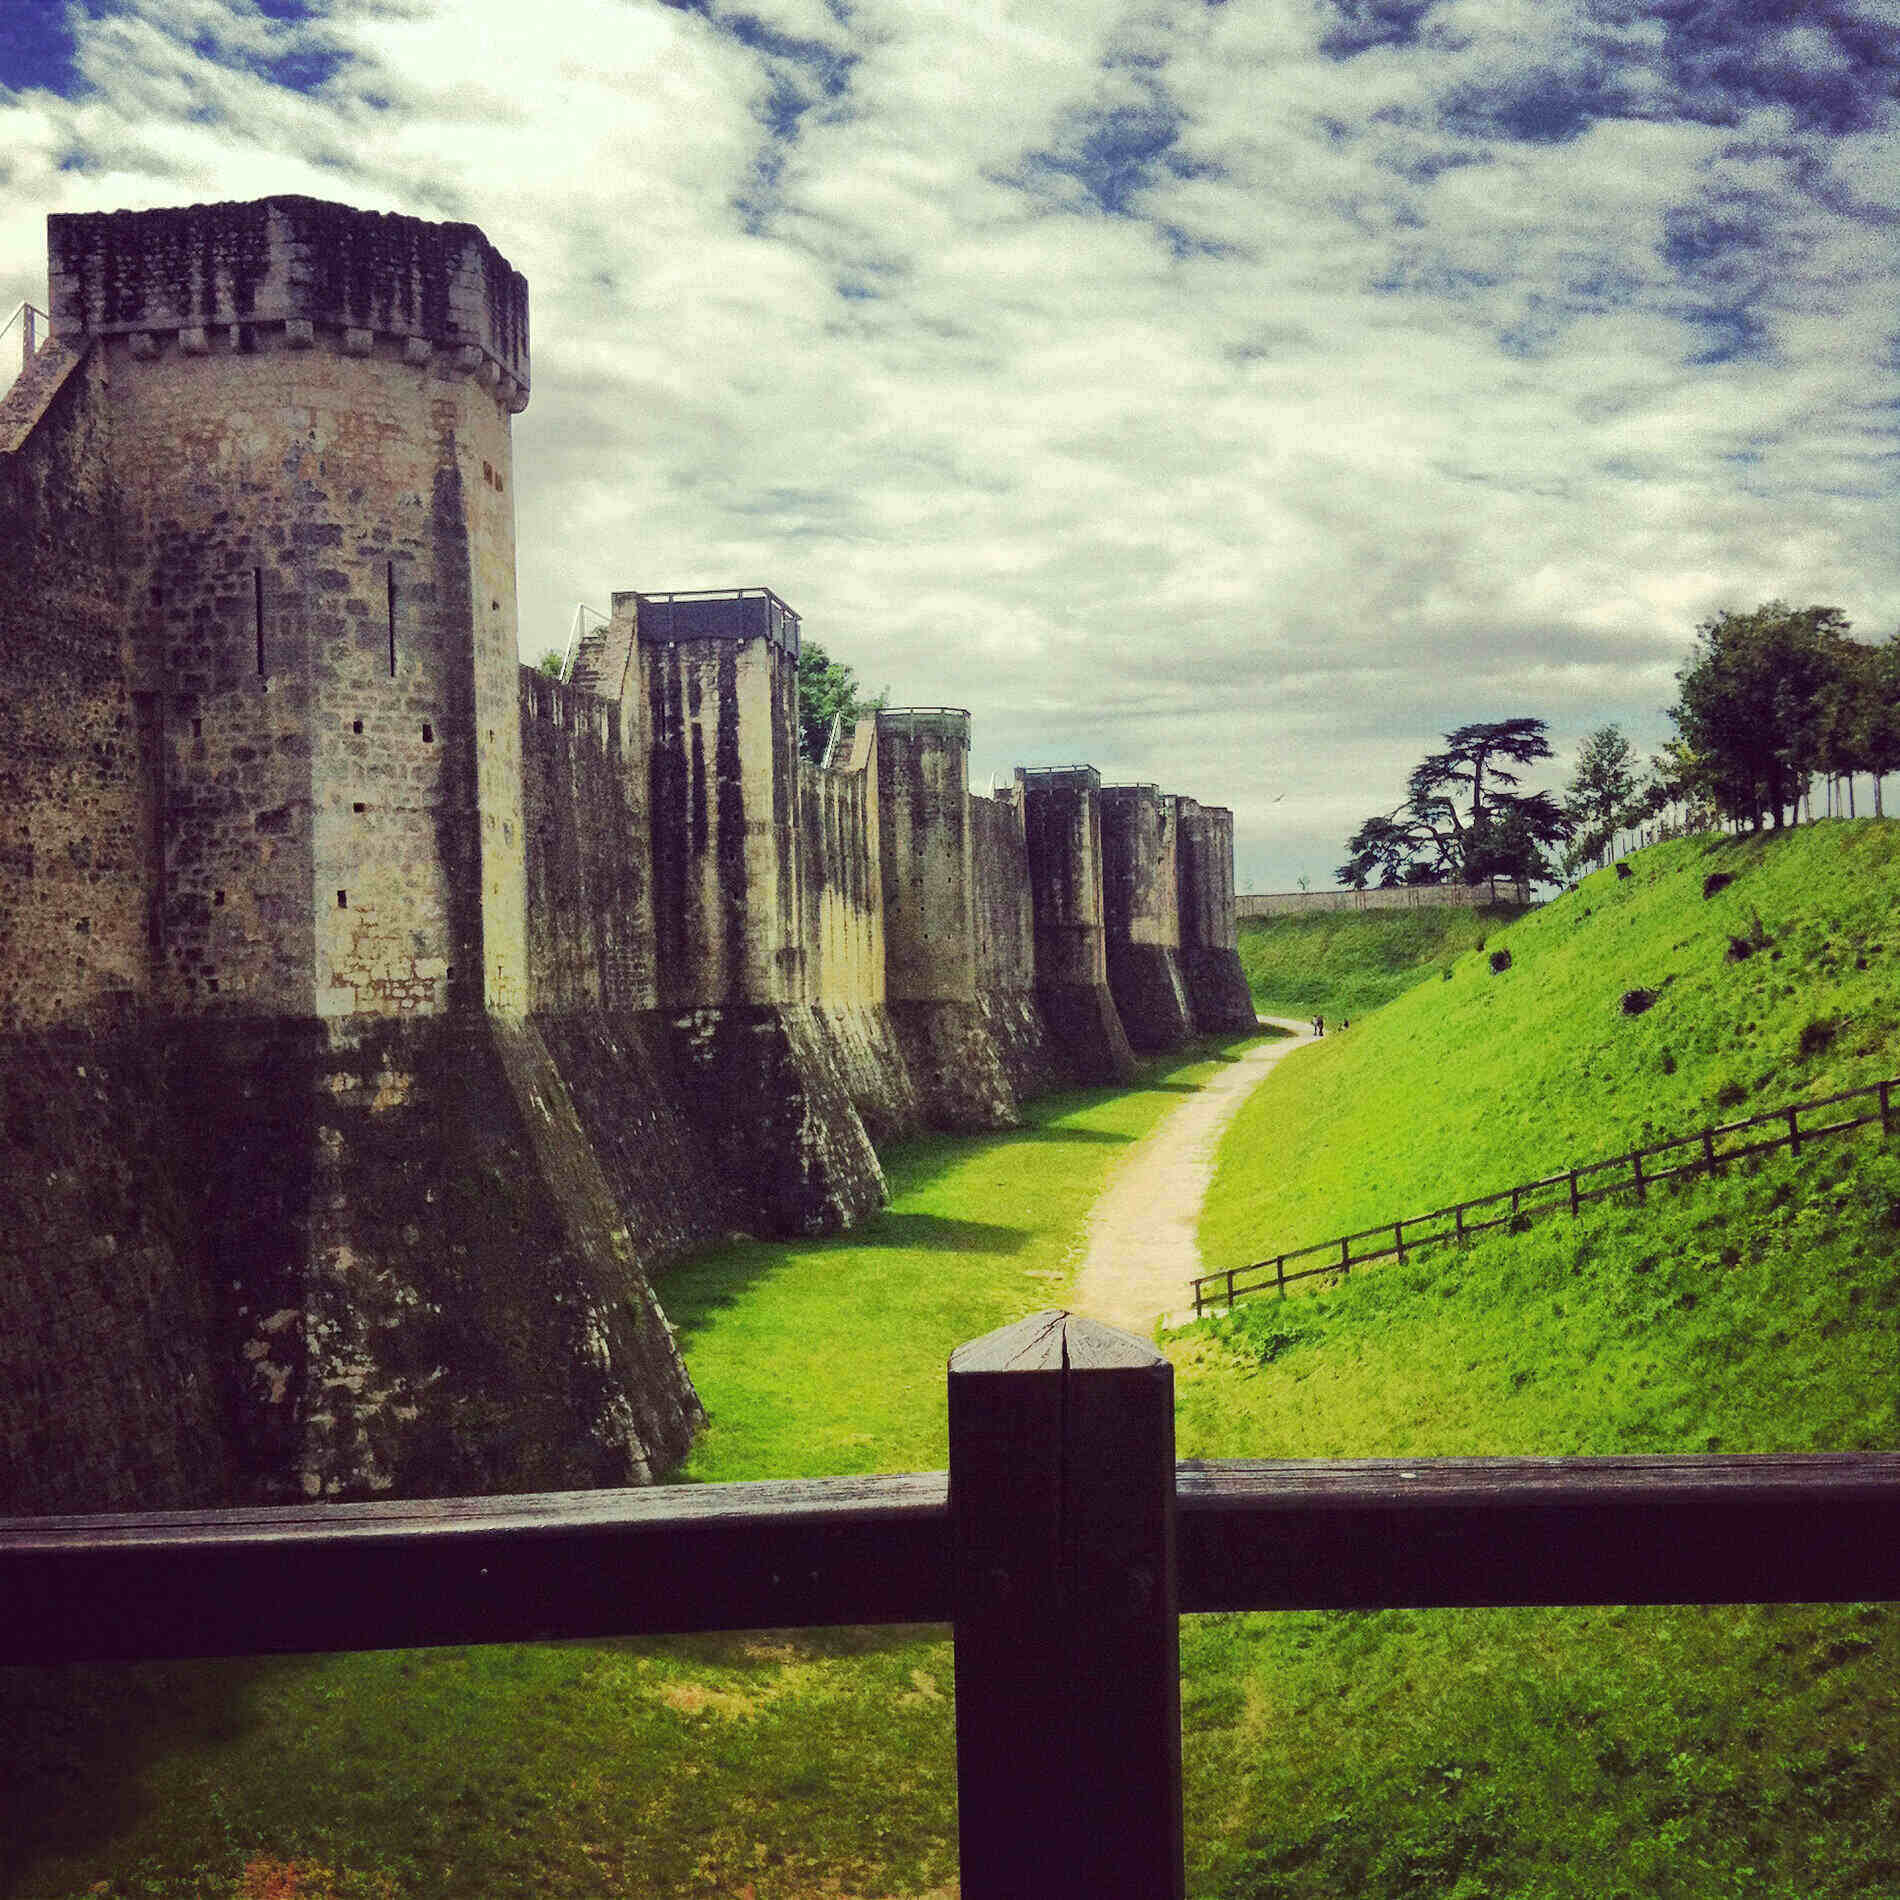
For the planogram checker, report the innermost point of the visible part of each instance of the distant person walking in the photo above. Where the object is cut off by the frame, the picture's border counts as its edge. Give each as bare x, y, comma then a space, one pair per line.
1319, 1025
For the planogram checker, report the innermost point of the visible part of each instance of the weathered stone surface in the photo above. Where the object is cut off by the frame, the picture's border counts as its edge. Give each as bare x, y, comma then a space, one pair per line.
110, 1391
1063, 839
1210, 959
1142, 914
763, 1087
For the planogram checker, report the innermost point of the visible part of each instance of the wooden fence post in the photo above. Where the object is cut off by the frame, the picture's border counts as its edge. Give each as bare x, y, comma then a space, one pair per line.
1636, 1175
1067, 1614
1573, 1192
1398, 1240
1279, 1274
1708, 1150
1794, 1131
1886, 1118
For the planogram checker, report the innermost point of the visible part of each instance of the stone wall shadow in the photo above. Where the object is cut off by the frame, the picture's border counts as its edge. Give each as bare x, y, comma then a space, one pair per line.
75, 1742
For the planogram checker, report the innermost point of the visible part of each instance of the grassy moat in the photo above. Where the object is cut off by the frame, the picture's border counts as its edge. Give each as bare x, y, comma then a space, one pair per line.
1683, 1752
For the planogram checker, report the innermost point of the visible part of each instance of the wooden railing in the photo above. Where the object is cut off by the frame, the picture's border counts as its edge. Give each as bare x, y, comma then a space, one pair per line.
1564, 1193
1062, 1546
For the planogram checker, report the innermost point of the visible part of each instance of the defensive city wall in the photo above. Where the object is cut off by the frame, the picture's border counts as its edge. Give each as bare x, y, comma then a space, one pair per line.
379, 1015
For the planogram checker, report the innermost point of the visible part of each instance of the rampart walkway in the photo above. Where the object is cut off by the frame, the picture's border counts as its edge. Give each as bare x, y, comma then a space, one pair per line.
1141, 1251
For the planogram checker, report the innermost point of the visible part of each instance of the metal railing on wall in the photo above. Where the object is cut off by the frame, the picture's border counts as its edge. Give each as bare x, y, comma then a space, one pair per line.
29, 317
1563, 1192
1062, 1546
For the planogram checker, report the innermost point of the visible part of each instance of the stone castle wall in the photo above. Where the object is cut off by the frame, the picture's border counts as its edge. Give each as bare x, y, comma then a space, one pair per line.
77, 752
384, 1014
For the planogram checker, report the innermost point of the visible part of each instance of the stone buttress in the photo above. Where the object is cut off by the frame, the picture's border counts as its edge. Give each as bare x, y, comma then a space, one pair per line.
760, 1074
1141, 896
1210, 956
926, 860
1063, 840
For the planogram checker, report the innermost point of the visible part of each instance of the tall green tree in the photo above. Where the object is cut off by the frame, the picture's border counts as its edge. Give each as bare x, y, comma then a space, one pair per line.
1601, 796
828, 689
1461, 821
1877, 714
1758, 702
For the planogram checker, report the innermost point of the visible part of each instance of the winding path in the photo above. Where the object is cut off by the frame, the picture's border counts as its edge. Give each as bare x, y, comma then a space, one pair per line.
1141, 1252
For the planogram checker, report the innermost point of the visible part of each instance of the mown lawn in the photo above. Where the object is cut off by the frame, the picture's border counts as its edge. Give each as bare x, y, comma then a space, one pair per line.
1692, 1752
1472, 1079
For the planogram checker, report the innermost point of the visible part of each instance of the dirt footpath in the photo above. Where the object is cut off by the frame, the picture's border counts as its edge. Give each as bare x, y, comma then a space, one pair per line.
1141, 1252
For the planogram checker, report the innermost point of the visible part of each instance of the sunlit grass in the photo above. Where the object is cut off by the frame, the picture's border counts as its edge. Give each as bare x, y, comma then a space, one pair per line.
1341, 964
1471, 1081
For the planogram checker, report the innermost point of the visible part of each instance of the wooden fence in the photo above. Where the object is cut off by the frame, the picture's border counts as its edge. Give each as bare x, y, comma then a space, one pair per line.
1062, 1546
1700, 1153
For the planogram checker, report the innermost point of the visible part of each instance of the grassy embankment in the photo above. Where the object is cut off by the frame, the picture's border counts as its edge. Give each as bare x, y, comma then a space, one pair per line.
1456, 1754
1340, 964
1544, 1753
779, 1764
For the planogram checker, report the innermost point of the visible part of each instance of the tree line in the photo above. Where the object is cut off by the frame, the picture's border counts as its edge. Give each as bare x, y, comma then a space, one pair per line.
1768, 702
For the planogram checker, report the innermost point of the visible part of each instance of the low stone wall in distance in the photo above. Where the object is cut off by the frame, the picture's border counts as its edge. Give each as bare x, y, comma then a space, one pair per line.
1403, 897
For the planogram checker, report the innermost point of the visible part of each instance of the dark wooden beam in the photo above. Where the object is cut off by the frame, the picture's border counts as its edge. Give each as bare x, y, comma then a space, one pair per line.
1067, 1629
805, 1552
1439, 1532
1351, 1534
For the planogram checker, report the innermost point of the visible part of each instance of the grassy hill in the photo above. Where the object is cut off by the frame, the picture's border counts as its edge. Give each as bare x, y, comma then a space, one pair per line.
1694, 1752
1781, 984
1340, 964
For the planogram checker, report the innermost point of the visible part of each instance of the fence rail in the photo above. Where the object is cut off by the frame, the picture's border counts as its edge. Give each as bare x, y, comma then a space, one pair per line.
1062, 1546
1565, 1192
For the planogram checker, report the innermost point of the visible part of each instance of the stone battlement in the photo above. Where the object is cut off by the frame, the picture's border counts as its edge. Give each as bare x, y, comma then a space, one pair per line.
286, 272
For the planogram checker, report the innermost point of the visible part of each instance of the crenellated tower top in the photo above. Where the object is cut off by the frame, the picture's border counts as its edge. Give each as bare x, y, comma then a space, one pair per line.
288, 271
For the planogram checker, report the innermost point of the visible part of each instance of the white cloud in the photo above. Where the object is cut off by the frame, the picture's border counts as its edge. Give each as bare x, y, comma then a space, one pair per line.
1166, 390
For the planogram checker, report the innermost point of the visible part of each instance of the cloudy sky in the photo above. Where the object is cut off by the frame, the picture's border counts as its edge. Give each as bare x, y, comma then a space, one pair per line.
1236, 396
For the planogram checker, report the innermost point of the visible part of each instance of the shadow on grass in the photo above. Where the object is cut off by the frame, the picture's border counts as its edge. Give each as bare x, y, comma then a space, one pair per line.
74, 1744
939, 1233
691, 1292
1078, 1136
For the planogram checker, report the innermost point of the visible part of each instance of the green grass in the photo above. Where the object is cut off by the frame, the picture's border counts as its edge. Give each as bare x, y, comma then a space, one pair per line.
1693, 1752
1472, 1081
1343, 964
789, 1763
816, 1357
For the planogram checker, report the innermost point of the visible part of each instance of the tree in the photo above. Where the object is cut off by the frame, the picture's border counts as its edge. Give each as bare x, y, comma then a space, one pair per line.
1389, 845
827, 690
1758, 701
1458, 822
1877, 714
1600, 799
550, 663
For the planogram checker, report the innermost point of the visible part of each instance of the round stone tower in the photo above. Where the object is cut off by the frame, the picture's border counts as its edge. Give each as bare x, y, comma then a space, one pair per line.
310, 417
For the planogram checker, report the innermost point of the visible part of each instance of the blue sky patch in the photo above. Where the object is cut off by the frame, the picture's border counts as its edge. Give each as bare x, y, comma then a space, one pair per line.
36, 47
1363, 24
